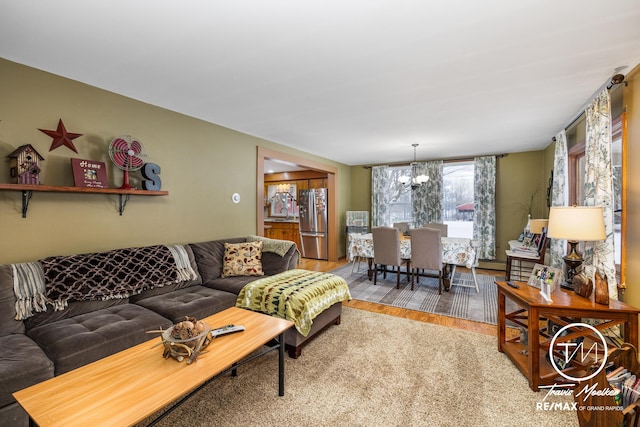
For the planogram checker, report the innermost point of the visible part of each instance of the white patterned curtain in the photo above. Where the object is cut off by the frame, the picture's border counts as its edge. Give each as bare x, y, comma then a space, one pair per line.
484, 206
560, 196
427, 199
380, 196
599, 185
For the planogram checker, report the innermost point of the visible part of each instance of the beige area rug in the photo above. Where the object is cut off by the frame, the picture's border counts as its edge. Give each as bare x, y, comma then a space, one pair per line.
377, 370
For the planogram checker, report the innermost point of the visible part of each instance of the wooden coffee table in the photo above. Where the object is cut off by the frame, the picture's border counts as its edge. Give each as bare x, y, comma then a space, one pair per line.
129, 386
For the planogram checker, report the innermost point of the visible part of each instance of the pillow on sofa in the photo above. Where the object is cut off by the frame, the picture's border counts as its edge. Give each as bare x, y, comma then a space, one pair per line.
242, 259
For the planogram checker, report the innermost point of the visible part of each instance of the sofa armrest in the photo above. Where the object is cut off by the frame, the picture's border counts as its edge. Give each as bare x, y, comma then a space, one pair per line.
273, 263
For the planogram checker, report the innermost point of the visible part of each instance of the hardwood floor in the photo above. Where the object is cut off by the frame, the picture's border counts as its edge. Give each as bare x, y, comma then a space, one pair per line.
452, 322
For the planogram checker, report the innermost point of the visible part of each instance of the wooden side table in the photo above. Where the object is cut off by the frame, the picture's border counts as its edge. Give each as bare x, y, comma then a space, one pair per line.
567, 307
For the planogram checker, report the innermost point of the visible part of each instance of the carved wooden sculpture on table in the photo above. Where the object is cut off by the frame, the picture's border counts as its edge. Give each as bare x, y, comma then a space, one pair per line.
582, 285
602, 289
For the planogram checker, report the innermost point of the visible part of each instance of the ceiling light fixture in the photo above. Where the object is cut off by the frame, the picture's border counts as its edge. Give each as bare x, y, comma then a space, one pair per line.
414, 180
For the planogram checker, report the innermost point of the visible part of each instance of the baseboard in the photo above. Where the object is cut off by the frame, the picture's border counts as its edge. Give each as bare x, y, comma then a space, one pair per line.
493, 265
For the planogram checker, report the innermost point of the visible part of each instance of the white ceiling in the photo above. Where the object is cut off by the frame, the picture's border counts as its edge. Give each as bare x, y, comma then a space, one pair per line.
355, 81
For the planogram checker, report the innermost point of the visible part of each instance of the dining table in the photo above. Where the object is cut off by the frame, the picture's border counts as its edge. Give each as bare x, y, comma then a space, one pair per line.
455, 251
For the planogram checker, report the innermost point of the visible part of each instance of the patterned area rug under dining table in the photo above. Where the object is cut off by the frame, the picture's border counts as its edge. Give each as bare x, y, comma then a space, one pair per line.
461, 302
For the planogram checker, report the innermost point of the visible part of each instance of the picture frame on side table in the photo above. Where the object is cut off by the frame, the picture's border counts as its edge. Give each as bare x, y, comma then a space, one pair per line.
528, 239
545, 279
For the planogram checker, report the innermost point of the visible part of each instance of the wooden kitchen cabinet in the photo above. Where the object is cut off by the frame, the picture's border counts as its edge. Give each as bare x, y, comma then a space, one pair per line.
282, 230
318, 183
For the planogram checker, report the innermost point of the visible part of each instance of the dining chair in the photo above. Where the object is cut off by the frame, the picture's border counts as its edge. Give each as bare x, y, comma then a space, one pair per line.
444, 228
426, 254
356, 255
386, 252
475, 245
535, 257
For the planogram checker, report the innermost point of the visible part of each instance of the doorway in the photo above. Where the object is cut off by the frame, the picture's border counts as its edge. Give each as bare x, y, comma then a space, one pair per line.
332, 212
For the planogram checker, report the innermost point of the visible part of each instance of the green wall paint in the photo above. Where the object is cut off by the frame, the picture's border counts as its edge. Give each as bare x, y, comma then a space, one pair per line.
202, 166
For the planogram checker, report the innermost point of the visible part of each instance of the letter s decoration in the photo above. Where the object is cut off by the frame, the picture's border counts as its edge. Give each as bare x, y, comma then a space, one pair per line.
151, 172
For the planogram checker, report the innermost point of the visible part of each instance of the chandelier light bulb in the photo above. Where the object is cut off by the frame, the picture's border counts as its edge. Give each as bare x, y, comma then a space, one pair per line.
415, 180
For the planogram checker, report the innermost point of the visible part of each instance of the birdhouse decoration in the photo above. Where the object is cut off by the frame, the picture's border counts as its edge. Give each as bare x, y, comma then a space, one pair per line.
25, 165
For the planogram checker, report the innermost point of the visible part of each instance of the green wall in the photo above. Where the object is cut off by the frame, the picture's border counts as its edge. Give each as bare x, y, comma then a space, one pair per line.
202, 166
521, 185
360, 189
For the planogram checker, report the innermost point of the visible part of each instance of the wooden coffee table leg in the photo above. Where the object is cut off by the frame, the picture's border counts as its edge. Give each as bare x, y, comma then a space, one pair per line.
281, 366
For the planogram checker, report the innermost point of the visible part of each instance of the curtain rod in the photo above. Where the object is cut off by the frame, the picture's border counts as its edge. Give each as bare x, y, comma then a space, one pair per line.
452, 160
611, 84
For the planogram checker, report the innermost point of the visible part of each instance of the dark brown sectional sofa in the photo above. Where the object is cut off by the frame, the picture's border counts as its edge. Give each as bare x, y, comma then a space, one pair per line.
53, 342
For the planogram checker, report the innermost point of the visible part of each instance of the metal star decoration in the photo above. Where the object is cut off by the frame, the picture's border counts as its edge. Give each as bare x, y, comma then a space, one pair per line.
61, 137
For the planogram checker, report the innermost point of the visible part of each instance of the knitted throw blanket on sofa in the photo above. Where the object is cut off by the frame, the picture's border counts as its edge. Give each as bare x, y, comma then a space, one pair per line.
118, 273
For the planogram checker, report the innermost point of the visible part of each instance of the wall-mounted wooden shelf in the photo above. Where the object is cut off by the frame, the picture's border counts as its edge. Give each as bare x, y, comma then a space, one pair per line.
123, 195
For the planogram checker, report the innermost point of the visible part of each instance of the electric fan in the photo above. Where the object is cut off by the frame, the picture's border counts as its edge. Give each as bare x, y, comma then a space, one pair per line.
127, 154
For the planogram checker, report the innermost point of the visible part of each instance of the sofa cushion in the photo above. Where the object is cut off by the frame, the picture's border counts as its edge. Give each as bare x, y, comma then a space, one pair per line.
274, 263
209, 257
242, 259
196, 301
22, 364
13, 416
8, 322
76, 341
75, 308
231, 284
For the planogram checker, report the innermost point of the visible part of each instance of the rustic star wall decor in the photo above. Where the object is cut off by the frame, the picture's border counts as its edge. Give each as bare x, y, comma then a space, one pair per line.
61, 137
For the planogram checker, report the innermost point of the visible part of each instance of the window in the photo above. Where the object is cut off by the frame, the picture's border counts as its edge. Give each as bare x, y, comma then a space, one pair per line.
282, 201
576, 174
458, 198
577, 181
400, 197
616, 163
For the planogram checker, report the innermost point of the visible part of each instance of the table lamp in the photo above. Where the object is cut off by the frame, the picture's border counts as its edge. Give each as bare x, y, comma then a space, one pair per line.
575, 224
537, 226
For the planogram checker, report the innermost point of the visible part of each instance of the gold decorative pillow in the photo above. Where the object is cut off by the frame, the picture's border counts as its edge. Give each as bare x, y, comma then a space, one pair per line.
242, 259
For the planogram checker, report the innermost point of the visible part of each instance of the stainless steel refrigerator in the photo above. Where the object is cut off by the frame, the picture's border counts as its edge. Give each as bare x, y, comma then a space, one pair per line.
313, 222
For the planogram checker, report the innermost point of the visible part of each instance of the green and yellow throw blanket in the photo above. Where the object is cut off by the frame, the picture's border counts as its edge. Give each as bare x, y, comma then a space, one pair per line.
295, 295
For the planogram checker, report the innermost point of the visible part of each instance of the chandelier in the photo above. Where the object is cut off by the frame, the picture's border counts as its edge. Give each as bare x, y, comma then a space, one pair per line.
414, 180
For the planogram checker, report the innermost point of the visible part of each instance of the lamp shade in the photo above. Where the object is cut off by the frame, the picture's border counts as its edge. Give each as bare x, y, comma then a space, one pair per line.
576, 223
536, 225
